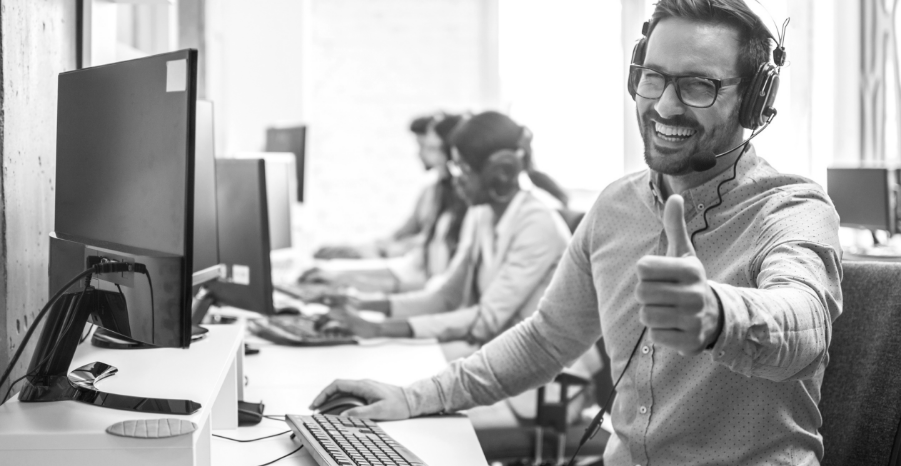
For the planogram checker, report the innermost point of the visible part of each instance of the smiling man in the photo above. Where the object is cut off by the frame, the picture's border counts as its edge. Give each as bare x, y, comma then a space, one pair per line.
714, 291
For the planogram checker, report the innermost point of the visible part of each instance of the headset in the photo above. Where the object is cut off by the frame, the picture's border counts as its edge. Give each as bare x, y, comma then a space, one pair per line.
500, 176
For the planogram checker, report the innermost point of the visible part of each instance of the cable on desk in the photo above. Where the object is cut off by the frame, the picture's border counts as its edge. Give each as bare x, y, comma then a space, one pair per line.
283, 457
275, 417
251, 440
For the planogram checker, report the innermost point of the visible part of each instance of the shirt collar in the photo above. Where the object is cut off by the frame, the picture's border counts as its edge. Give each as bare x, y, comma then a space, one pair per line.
700, 197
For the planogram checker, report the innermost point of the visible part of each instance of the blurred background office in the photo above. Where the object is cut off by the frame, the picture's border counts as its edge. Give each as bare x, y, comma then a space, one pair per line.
356, 72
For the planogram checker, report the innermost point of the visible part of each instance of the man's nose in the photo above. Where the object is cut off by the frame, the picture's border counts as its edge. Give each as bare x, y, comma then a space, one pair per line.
669, 105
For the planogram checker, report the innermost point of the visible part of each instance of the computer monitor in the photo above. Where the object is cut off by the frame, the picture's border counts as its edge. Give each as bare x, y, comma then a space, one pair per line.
124, 193
244, 245
864, 197
291, 139
279, 194
206, 265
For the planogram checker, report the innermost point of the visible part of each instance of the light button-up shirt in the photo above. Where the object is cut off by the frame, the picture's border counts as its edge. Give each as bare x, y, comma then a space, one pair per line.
771, 254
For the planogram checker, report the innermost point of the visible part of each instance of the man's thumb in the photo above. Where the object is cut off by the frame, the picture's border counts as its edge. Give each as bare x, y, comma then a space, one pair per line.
679, 244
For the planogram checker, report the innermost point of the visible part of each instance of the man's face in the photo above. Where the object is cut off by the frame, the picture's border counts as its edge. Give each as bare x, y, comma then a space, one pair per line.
430, 149
672, 131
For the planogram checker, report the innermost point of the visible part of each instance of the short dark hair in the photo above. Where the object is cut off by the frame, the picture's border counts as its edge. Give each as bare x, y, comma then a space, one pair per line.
420, 125
753, 35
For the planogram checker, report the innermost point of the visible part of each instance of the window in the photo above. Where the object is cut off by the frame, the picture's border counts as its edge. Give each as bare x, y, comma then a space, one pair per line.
116, 30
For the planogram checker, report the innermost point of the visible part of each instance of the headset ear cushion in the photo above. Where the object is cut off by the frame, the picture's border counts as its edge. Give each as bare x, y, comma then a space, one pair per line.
759, 96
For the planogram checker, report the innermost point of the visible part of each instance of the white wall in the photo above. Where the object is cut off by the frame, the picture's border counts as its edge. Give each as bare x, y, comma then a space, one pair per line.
357, 72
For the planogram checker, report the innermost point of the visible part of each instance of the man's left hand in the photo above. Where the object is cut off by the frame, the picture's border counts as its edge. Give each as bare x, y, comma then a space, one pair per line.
678, 307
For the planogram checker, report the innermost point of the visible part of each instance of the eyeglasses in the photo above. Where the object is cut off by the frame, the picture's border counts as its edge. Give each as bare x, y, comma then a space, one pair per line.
694, 91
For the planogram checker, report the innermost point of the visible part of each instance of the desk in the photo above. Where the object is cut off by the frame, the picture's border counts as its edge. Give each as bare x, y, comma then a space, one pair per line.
68, 432
287, 379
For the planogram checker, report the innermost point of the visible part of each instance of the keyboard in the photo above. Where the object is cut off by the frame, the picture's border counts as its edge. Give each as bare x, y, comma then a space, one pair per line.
349, 441
306, 292
301, 330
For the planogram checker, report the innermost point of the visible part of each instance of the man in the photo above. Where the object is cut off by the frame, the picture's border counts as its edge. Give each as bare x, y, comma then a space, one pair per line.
739, 323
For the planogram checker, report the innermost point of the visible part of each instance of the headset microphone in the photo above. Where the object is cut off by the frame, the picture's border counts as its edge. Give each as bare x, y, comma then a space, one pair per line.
705, 160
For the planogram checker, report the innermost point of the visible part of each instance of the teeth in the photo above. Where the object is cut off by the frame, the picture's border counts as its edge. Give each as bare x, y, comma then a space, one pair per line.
678, 131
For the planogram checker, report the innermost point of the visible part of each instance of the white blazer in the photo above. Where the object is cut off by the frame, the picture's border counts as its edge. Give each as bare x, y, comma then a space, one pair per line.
496, 278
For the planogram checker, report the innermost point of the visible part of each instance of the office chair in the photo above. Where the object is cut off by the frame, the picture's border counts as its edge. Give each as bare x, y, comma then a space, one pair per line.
861, 393
549, 436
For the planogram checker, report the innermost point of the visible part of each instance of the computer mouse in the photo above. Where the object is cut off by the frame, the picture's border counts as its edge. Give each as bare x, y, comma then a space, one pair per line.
340, 403
288, 310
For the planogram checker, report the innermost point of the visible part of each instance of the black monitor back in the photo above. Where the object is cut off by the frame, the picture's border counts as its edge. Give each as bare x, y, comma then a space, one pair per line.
125, 187
244, 245
863, 197
290, 139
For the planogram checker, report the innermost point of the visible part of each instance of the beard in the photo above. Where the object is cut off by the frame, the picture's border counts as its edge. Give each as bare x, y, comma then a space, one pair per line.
677, 162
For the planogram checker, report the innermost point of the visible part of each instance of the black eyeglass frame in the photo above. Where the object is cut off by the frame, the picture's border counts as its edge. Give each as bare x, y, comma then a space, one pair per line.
718, 84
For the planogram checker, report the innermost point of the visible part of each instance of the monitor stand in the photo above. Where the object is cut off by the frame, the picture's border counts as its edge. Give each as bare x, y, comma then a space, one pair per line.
104, 338
48, 378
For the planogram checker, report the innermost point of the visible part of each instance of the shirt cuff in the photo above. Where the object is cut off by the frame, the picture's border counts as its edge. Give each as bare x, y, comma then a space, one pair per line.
729, 348
424, 397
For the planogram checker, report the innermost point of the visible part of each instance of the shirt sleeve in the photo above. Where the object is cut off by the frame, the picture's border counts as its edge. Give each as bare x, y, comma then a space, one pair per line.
781, 329
564, 327
523, 275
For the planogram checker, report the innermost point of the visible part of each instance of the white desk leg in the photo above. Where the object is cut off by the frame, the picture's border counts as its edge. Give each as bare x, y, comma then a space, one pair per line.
225, 408
240, 375
202, 453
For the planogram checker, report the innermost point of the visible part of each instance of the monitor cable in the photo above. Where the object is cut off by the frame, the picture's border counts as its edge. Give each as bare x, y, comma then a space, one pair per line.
97, 268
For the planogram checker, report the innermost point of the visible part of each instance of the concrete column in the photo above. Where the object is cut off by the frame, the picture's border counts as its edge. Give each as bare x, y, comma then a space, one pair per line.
37, 42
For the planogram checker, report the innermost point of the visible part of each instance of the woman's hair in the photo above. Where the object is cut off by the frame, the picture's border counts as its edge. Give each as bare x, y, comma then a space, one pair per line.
420, 125
448, 199
485, 134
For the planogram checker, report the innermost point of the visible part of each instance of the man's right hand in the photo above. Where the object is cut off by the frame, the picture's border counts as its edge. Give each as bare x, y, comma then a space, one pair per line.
384, 402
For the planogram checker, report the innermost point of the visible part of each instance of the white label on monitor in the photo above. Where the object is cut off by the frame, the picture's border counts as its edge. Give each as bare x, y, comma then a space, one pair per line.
176, 75
241, 274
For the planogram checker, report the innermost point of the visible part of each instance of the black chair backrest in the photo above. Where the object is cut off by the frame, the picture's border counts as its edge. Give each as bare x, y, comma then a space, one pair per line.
861, 393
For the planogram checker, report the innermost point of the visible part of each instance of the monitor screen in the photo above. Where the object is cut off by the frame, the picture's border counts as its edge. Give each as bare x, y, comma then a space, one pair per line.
862, 196
125, 153
243, 236
294, 140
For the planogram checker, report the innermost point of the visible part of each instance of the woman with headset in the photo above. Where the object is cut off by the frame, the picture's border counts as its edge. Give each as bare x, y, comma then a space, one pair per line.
509, 248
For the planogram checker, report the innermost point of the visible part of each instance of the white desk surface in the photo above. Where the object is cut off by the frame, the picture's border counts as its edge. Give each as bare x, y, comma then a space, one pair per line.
287, 379
194, 374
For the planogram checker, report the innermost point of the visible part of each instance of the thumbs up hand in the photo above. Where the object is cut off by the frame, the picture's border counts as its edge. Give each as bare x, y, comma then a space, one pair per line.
677, 305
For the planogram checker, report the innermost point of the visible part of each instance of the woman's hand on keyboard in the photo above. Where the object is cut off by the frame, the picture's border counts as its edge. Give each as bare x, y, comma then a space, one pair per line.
384, 402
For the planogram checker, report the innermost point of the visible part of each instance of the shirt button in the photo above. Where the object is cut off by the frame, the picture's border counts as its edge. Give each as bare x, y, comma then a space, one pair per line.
700, 206
722, 353
645, 349
643, 410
